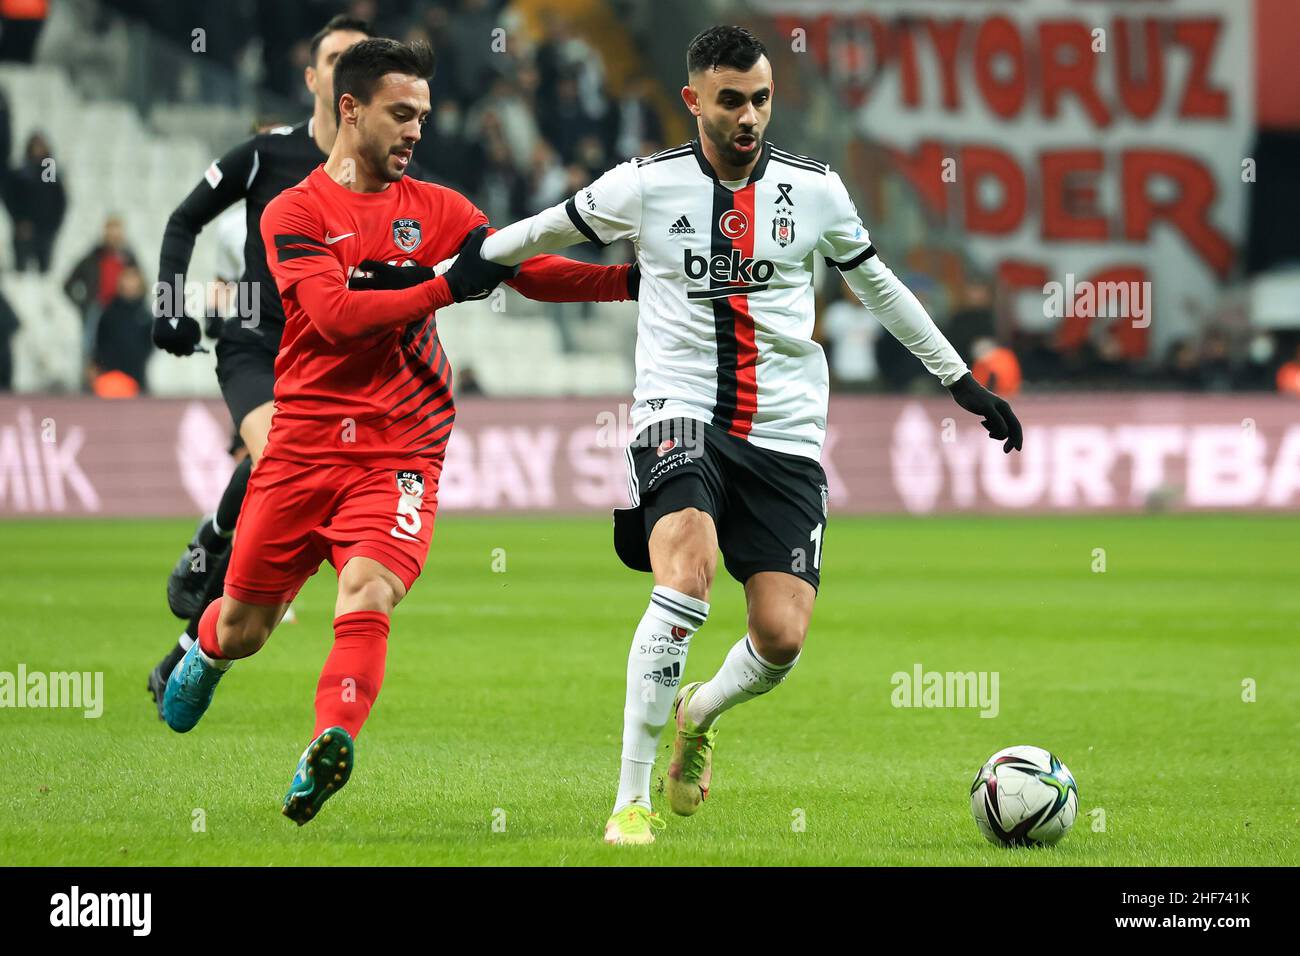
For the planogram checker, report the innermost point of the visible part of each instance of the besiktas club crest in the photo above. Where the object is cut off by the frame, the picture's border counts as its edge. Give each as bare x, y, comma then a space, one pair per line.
783, 227
406, 234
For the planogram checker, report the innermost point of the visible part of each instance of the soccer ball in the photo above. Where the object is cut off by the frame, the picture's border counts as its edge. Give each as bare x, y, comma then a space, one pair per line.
1024, 796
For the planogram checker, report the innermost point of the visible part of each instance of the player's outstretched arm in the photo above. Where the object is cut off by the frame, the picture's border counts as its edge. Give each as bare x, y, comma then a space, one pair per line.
549, 231
224, 184
848, 248
607, 210
548, 278
307, 269
896, 308
542, 278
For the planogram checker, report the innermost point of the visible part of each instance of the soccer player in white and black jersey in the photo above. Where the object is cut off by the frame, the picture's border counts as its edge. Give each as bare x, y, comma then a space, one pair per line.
731, 397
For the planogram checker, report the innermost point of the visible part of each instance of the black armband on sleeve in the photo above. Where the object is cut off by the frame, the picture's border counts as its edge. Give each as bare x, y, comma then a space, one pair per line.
853, 263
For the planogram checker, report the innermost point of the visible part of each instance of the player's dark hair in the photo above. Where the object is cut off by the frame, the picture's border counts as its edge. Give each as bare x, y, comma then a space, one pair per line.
361, 67
724, 46
337, 23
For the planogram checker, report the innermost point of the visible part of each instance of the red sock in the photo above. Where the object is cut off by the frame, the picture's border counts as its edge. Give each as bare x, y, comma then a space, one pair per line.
208, 631
353, 672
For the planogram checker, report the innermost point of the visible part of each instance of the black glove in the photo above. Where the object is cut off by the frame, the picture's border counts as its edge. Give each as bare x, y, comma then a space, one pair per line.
213, 323
380, 275
473, 277
634, 281
179, 335
998, 419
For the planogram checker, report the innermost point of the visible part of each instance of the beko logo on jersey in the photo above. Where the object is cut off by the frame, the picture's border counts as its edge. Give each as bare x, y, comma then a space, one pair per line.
741, 273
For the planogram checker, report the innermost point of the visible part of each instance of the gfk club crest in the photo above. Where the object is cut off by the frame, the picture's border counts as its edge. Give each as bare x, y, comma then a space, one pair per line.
410, 484
783, 227
406, 234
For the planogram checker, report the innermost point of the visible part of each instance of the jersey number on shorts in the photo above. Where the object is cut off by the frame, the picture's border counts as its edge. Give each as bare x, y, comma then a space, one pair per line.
408, 518
816, 538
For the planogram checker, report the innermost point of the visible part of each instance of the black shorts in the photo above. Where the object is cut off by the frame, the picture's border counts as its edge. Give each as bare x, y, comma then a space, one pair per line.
245, 369
769, 507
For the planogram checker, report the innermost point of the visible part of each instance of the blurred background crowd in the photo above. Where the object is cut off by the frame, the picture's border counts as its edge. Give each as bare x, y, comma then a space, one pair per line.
110, 112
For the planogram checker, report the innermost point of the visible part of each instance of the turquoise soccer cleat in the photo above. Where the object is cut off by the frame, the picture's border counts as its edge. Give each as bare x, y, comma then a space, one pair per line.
189, 690
323, 769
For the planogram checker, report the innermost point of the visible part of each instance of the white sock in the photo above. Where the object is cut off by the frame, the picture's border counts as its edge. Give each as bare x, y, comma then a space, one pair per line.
655, 666
743, 676
185, 641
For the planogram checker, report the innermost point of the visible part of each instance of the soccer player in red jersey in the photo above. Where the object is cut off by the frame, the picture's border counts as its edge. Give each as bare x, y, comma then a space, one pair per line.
363, 397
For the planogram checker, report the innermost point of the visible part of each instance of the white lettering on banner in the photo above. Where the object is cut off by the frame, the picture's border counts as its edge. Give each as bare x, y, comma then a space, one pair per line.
1082, 458
1121, 168
1225, 467
914, 460
599, 469
961, 456
1018, 480
205, 468
1149, 446
500, 467
1285, 481
34, 473
1080, 467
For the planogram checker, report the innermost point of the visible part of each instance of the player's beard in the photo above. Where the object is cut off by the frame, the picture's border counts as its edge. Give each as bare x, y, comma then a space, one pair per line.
378, 155
726, 147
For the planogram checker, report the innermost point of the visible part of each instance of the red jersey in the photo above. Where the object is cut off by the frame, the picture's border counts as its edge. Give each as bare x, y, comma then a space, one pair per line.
361, 377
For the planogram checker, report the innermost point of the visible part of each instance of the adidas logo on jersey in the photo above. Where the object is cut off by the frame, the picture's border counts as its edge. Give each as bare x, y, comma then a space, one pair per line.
682, 227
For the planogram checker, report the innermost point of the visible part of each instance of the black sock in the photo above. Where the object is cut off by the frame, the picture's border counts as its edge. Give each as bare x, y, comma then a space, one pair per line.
232, 499
216, 586
212, 542
168, 663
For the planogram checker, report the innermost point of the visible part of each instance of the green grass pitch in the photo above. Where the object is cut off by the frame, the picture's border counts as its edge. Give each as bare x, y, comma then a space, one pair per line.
496, 737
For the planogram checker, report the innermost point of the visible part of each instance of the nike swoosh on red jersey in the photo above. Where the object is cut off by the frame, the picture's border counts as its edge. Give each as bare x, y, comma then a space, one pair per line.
330, 240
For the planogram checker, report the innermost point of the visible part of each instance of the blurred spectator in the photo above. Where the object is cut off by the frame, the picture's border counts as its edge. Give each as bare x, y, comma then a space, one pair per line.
590, 159
501, 186
9, 324
850, 333
446, 80
6, 136
565, 122
36, 202
122, 337
476, 63
640, 130
1182, 366
996, 367
1288, 376
514, 118
1257, 371
1215, 372
23, 21
445, 151
564, 56
92, 283
973, 317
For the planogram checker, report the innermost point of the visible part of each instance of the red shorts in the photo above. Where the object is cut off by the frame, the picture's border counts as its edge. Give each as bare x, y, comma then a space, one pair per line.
295, 516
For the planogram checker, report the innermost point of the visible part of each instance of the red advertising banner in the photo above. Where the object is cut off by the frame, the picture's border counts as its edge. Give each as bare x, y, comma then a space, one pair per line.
76, 457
